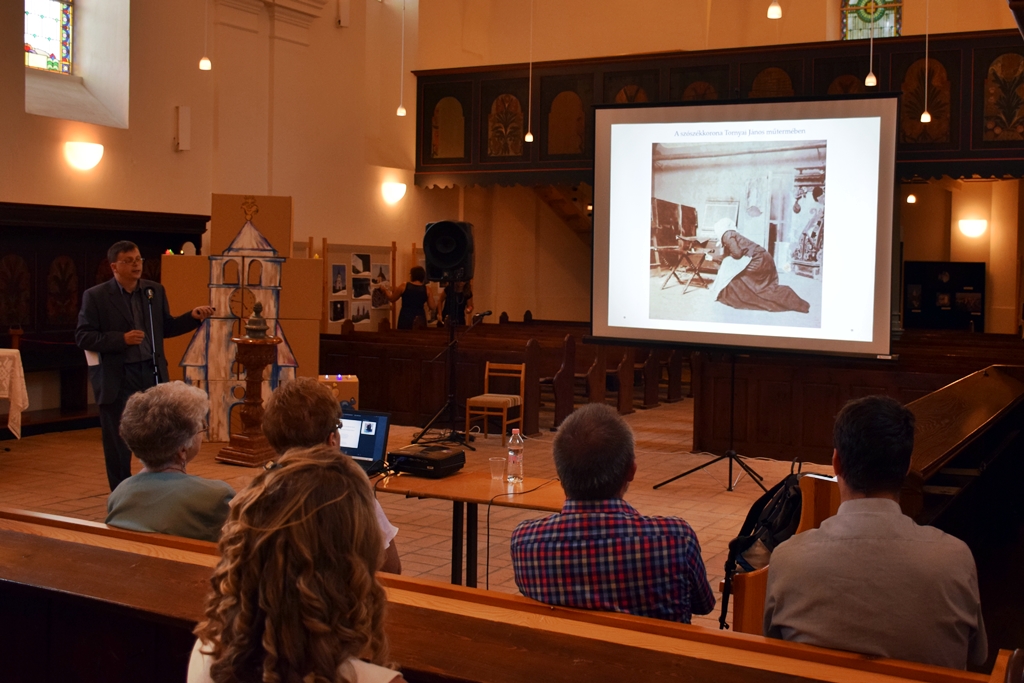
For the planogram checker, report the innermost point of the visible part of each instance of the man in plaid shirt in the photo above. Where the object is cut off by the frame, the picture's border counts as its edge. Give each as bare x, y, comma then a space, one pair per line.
600, 553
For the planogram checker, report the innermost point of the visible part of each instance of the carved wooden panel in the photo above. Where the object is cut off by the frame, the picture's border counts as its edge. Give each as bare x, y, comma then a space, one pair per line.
943, 99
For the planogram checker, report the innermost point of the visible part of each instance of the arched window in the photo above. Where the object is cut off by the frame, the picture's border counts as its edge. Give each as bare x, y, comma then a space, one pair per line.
231, 272
860, 16
255, 273
448, 130
566, 124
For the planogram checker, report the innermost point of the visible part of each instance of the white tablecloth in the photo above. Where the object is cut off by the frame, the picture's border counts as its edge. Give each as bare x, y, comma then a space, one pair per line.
12, 387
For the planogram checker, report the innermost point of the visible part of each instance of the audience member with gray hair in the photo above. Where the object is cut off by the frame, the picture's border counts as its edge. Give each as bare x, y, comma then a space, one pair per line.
164, 428
600, 553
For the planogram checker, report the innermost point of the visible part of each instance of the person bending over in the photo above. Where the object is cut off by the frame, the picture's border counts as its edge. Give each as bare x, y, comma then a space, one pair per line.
164, 428
295, 595
414, 294
599, 553
302, 413
870, 580
747, 278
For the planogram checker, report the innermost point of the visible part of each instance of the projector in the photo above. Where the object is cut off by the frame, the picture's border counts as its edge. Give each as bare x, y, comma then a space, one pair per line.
433, 462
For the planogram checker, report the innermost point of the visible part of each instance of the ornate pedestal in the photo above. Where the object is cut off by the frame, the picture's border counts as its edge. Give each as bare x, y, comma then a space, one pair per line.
250, 447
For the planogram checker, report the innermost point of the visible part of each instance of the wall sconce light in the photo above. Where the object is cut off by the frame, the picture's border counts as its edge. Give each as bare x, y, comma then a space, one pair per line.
205, 64
775, 10
392, 192
83, 155
911, 199
973, 228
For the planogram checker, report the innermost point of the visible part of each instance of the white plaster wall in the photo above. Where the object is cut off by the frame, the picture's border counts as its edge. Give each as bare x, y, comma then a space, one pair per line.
925, 223
101, 54
527, 258
1001, 278
468, 32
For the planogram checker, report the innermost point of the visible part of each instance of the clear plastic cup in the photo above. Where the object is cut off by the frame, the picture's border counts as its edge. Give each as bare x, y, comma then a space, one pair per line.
497, 468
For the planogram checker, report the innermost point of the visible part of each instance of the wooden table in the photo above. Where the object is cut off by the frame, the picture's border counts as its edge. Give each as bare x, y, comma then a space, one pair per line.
467, 490
12, 387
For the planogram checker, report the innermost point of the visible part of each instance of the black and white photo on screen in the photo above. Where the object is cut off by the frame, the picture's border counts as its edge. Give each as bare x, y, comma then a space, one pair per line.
738, 232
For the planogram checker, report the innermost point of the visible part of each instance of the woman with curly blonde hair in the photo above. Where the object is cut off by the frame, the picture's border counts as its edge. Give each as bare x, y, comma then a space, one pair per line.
295, 596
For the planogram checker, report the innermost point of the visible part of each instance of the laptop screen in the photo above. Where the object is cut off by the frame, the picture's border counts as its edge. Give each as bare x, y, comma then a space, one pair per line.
363, 435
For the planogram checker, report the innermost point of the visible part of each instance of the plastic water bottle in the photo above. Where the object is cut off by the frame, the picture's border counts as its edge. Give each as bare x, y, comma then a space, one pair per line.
515, 458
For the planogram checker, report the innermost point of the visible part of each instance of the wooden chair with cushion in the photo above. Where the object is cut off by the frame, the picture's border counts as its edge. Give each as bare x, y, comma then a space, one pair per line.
487, 404
819, 500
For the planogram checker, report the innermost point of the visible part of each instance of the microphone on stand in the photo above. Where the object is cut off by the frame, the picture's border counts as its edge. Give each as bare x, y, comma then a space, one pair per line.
478, 318
152, 337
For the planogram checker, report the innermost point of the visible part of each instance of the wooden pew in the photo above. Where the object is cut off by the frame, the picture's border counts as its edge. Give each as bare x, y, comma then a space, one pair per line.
72, 611
403, 371
786, 403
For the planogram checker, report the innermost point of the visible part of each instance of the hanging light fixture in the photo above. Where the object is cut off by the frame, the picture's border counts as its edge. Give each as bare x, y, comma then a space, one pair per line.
205, 64
870, 80
401, 78
925, 116
775, 10
529, 95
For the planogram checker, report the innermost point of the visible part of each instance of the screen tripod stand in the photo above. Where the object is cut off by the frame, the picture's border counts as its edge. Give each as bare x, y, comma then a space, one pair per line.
730, 454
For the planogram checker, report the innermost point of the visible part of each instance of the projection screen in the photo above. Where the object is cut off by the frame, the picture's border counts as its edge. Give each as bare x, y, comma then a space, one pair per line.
750, 225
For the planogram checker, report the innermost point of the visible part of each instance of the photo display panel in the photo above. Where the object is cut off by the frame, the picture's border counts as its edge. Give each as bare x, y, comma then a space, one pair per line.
751, 225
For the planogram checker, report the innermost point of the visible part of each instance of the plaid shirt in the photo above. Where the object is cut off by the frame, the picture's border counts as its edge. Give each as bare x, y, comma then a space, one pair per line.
603, 555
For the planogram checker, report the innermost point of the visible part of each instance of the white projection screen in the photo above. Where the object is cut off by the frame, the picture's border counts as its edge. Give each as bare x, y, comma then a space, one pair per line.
755, 225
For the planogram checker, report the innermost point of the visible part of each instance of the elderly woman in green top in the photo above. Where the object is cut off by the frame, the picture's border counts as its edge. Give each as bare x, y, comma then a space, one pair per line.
164, 427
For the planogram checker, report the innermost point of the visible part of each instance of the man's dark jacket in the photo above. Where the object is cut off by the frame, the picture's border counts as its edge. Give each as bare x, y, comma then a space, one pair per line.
103, 321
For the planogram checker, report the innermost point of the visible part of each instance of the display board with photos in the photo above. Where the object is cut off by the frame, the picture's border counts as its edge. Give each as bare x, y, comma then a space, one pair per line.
358, 281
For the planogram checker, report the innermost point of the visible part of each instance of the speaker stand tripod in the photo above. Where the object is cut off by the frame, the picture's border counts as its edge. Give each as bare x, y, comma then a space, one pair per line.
730, 454
449, 412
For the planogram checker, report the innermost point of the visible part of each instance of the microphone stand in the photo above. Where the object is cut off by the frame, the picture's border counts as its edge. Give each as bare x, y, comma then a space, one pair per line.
152, 338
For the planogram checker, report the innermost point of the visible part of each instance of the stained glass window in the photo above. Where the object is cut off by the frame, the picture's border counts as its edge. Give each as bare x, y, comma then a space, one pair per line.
859, 17
48, 28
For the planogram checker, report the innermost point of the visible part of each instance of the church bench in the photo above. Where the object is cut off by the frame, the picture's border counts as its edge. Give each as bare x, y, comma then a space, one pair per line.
403, 371
786, 403
131, 616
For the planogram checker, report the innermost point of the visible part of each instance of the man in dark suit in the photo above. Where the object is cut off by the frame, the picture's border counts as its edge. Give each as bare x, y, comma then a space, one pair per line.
121, 327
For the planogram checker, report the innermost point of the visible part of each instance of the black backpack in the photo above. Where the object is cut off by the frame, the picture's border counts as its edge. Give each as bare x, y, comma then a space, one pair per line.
772, 519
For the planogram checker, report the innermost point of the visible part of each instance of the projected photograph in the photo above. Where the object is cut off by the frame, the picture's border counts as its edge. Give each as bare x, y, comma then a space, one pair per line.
738, 232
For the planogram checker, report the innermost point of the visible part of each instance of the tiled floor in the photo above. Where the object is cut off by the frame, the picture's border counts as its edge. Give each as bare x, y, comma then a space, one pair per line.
63, 474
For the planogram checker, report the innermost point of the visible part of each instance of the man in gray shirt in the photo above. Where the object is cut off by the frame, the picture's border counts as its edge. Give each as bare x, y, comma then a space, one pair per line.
871, 580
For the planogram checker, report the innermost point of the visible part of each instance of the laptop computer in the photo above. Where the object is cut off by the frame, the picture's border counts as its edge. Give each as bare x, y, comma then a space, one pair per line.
363, 436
